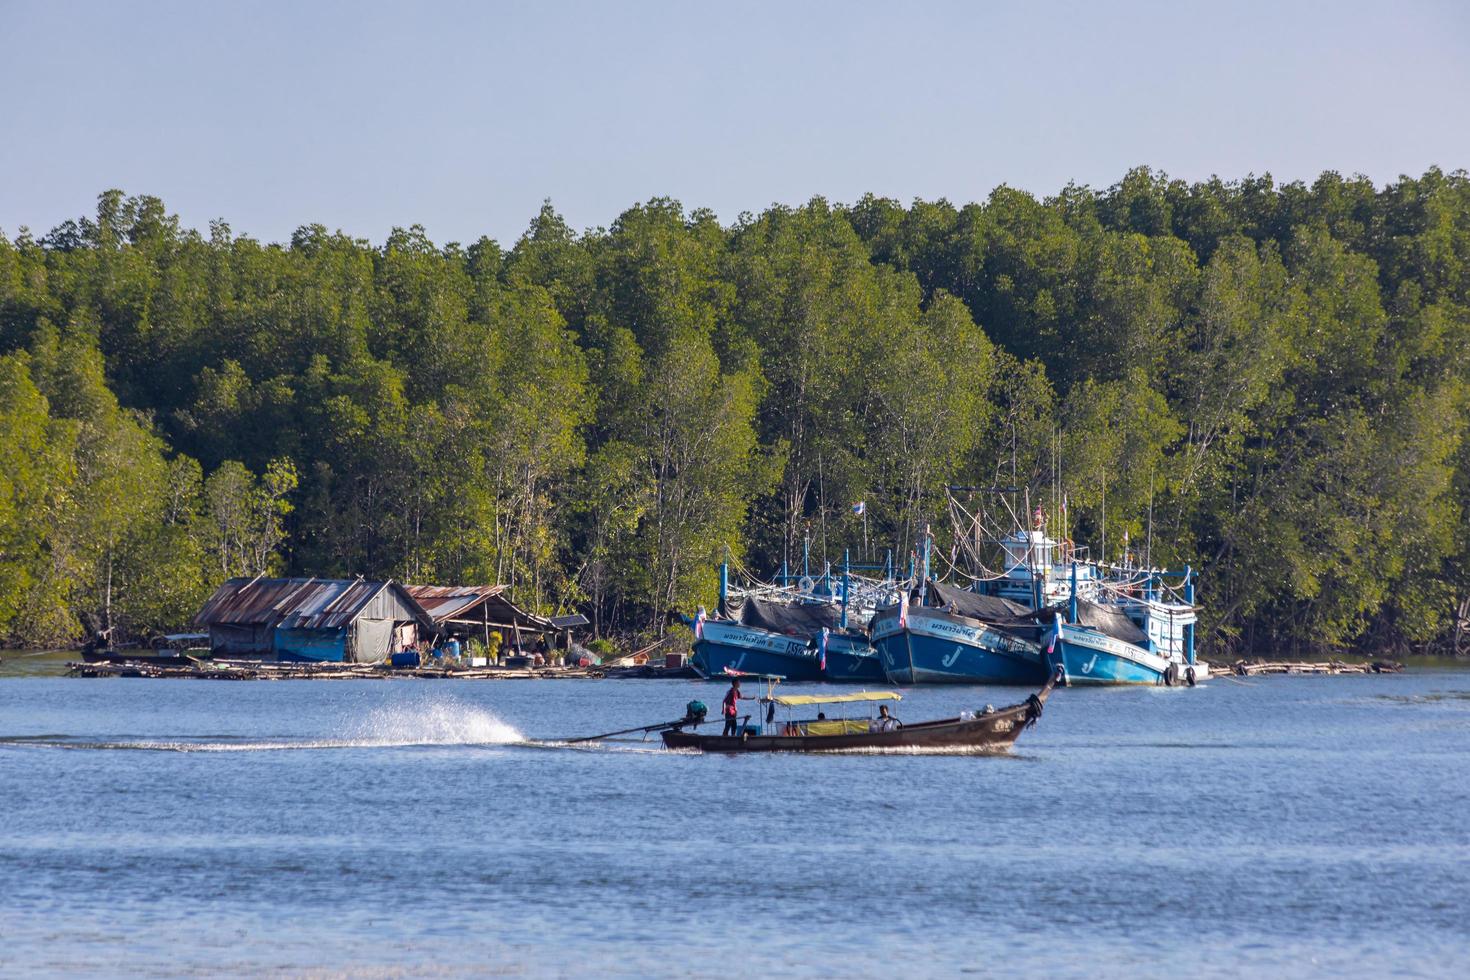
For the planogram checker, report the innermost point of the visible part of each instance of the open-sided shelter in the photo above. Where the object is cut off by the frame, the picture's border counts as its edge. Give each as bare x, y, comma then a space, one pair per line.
472, 611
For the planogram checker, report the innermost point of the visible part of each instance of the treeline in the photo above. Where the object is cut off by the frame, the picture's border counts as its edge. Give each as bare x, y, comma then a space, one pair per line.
1265, 382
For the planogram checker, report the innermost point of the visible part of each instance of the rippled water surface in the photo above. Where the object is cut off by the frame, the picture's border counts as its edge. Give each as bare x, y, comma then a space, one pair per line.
1289, 826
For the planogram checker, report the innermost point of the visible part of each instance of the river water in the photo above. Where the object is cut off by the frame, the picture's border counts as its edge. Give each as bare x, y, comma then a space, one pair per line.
1289, 826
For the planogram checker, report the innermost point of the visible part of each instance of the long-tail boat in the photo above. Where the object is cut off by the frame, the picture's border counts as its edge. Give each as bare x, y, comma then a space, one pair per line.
988, 728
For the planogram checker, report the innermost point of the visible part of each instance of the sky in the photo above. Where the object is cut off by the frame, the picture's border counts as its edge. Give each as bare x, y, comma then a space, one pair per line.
464, 117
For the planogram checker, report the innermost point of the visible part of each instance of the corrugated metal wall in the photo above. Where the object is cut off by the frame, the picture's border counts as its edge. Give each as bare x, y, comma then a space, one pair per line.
387, 604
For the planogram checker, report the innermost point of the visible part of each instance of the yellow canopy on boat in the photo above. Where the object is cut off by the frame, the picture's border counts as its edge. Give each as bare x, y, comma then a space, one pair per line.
792, 700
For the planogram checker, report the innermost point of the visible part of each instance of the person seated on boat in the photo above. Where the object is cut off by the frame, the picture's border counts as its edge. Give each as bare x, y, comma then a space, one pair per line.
884, 722
731, 708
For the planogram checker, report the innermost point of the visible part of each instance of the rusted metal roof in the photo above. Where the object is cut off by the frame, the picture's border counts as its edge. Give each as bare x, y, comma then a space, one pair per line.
298, 603
448, 601
474, 602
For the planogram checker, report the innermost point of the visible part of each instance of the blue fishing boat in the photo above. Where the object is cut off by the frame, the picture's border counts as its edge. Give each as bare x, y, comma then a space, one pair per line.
806, 630
1140, 634
785, 638
959, 637
1108, 623
750, 644
850, 659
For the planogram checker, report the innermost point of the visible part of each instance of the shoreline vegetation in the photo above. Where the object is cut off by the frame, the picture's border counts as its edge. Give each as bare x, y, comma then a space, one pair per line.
1266, 382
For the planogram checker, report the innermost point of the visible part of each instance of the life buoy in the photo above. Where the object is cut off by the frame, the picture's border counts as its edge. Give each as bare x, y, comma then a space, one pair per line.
806, 583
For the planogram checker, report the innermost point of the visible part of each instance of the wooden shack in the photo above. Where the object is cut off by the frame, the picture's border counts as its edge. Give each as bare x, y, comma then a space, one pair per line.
312, 619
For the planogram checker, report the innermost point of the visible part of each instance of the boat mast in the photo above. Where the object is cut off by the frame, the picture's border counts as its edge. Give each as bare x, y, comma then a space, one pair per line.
846, 586
924, 585
1031, 553
1189, 598
1072, 598
724, 588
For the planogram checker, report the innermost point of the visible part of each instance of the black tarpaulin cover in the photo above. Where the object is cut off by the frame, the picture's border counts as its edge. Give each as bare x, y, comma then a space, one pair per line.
796, 619
992, 609
1110, 620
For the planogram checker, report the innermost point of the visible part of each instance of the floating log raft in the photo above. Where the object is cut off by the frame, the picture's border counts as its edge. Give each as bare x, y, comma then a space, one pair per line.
1248, 668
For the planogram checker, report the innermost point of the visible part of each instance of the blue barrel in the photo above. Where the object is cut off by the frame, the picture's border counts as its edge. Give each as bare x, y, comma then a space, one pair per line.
408, 658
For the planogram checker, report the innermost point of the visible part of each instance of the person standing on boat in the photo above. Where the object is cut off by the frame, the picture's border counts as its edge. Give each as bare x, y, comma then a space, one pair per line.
731, 707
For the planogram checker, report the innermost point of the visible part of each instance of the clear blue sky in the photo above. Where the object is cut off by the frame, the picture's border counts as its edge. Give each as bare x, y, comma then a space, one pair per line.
464, 116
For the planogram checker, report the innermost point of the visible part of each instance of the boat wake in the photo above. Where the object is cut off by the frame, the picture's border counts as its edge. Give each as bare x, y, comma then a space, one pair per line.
429, 723
602, 745
437, 722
